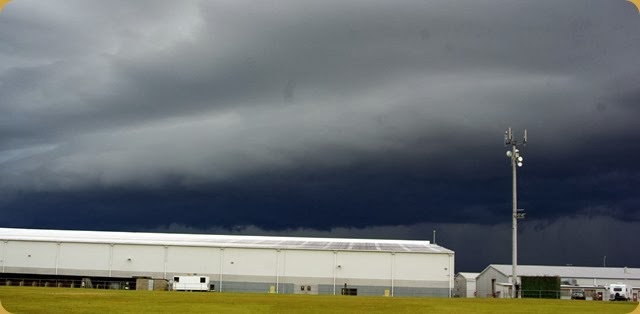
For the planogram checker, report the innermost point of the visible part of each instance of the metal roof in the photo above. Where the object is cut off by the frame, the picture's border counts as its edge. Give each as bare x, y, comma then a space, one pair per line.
468, 275
225, 241
571, 271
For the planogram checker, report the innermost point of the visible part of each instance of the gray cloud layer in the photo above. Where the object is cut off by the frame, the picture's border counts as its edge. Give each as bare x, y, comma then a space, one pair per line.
122, 93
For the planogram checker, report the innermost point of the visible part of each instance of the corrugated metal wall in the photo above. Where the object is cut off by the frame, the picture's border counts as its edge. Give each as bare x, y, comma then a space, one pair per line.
241, 269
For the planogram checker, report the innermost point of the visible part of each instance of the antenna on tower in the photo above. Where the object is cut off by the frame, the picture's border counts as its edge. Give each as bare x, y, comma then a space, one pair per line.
516, 161
508, 137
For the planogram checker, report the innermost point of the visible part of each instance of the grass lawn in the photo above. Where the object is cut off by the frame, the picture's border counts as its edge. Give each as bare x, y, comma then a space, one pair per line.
67, 300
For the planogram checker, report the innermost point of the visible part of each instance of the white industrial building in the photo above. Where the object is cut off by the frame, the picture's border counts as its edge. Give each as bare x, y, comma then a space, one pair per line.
235, 263
495, 280
465, 285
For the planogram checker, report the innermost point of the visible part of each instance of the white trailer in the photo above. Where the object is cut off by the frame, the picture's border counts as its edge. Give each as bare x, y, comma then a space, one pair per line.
191, 283
618, 292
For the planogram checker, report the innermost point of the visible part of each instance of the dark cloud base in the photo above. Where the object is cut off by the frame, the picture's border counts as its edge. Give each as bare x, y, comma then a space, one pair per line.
579, 240
359, 196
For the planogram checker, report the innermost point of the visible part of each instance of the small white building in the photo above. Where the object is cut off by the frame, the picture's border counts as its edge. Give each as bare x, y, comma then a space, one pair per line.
465, 285
495, 280
235, 263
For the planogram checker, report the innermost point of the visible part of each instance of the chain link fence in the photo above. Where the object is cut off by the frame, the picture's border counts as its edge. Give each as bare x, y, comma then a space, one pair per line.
541, 294
68, 283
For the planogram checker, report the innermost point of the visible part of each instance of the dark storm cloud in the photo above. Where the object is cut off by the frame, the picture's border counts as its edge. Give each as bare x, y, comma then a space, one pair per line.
283, 114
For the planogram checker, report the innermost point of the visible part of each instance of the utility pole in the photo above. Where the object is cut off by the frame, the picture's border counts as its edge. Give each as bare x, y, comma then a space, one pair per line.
516, 160
434, 236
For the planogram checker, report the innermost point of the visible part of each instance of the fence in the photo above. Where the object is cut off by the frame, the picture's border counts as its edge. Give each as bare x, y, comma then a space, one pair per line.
540, 294
67, 283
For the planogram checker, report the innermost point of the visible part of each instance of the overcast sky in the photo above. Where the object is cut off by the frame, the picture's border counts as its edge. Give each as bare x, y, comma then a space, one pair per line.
373, 119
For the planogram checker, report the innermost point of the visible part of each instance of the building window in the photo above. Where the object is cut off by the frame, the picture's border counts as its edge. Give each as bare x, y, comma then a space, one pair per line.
308, 288
176, 279
301, 288
203, 280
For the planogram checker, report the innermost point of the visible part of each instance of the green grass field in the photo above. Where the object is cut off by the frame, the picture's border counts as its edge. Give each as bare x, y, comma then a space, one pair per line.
66, 300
